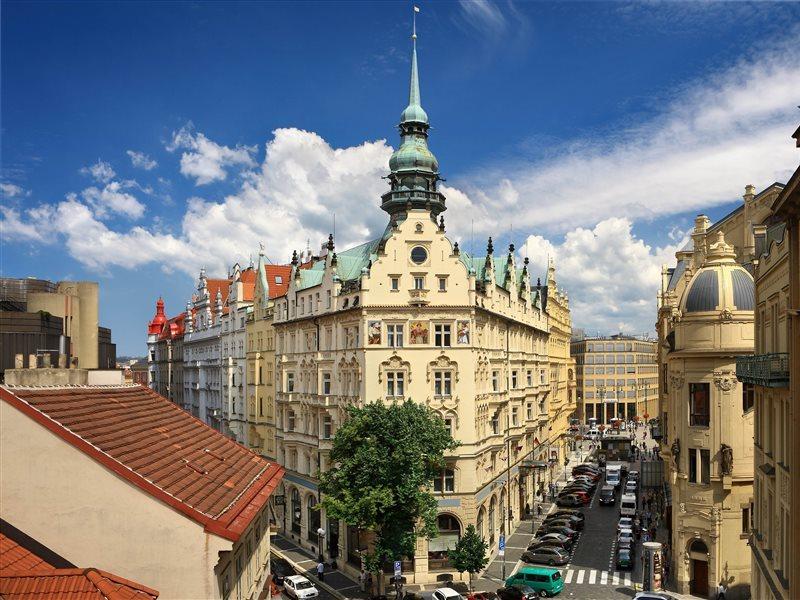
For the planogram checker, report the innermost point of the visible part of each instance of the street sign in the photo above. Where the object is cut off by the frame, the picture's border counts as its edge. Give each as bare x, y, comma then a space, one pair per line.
501, 546
398, 568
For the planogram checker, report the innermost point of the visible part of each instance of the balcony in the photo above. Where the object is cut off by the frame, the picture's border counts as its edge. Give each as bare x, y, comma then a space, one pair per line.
767, 370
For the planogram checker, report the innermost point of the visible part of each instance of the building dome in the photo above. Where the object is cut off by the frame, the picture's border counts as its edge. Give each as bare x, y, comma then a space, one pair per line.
721, 284
413, 154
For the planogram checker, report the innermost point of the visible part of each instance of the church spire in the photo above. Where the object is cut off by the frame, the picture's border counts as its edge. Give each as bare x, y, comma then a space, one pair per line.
414, 169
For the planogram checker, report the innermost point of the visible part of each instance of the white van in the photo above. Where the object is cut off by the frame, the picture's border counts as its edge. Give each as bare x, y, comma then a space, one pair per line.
627, 506
613, 475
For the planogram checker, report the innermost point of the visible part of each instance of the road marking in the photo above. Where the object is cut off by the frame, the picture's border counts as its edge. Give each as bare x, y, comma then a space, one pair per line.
592, 577
580, 577
604, 578
615, 578
570, 574
627, 579
516, 547
308, 560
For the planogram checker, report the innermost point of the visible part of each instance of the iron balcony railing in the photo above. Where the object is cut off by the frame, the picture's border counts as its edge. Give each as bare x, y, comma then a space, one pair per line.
768, 370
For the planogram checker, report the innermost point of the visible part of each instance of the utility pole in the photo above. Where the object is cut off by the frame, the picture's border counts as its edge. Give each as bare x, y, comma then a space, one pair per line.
507, 519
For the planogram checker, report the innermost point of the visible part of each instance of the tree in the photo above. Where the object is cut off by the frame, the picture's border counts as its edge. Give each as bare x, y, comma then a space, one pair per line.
469, 554
385, 458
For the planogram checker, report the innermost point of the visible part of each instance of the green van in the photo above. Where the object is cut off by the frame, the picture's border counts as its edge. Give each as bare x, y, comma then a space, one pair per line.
547, 582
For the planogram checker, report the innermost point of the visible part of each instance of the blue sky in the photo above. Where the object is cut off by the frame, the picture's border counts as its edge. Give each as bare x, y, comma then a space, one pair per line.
141, 141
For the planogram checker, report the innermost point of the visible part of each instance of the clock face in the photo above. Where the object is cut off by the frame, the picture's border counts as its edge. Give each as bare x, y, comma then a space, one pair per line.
419, 255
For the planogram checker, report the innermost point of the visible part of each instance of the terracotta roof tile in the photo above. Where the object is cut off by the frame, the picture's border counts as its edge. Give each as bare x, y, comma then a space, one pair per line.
158, 447
74, 584
278, 279
16, 558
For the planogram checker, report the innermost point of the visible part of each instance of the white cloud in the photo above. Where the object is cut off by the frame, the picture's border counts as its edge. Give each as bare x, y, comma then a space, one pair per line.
101, 171
11, 190
292, 197
140, 160
206, 161
112, 199
715, 137
611, 276
484, 15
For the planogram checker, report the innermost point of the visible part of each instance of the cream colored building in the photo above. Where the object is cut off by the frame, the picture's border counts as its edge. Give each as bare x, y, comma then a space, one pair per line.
411, 315
617, 377
773, 372
705, 321
271, 282
122, 479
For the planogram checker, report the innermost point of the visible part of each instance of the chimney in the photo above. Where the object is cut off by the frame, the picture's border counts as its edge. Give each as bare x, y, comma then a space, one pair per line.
32, 364
46, 360
19, 361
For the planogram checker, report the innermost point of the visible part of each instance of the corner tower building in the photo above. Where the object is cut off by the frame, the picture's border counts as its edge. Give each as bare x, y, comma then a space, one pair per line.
410, 315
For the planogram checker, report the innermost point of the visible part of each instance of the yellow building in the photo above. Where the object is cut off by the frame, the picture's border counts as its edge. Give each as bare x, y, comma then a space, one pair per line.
271, 282
773, 372
705, 321
411, 315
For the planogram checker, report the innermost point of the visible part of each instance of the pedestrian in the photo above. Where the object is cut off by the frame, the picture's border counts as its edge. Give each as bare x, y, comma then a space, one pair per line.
321, 570
539, 510
721, 590
527, 510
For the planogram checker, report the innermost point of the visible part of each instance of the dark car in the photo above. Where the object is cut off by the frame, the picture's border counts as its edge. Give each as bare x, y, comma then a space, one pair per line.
553, 540
574, 522
624, 559
585, 469
546, 555
280, 569
633, 475
607, 495
569, 500
517, 592
568, 512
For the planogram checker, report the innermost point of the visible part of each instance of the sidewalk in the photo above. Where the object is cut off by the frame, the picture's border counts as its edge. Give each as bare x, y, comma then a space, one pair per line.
337, 580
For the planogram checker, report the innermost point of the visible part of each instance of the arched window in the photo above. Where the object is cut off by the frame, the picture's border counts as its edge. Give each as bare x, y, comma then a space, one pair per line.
449, 534
297, 513
313, 520
698, 546
492, 510
480, 522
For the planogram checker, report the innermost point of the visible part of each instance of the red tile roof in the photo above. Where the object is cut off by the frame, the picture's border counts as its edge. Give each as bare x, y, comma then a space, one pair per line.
16, 558
278, 288
174, 328
72, 584
158, 447
26, 576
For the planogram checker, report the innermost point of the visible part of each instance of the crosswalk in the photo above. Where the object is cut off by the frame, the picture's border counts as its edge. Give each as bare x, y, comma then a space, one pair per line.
596, 577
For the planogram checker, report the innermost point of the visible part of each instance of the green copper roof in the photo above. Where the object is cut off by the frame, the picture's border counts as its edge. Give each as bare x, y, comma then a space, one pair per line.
414, 111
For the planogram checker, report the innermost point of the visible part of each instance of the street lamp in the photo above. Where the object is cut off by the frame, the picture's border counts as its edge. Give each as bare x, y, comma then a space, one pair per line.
320, 536
601, 392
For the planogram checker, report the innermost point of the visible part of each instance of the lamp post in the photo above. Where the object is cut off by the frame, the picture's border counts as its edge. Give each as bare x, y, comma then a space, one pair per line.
320, 537
601, 392
645, 386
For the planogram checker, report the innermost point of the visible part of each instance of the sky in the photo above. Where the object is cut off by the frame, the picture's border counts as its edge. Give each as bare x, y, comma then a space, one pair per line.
142, 141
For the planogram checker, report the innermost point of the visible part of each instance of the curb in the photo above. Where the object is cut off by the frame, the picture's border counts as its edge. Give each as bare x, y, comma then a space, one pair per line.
300, 570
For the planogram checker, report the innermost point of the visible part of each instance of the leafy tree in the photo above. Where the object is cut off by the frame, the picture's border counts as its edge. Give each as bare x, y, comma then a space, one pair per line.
469, 554
385, 458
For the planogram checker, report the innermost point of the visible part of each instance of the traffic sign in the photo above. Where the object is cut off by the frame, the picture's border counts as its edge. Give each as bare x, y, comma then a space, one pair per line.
501, 546
398, 568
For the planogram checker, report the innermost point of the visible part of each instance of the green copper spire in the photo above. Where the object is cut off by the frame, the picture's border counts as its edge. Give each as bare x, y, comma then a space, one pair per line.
414, 168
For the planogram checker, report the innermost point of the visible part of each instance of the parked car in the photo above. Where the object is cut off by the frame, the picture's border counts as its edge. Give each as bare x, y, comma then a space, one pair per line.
573, 522
280, 569
446, 593
586, 468
569, 500
625, 539
584, 485
549, 543
608, 497
299, 587
588, 478
569, 512
624, 559
563, 530
517, 592
546, 555
480, 596
633, 475
624, 523
653, 596
552, 539
631, 487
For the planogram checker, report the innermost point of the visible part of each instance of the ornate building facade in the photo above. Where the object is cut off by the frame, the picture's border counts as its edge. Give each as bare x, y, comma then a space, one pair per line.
202, 353
271, 282
411, 315
773, 372
705, 321
165, 354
